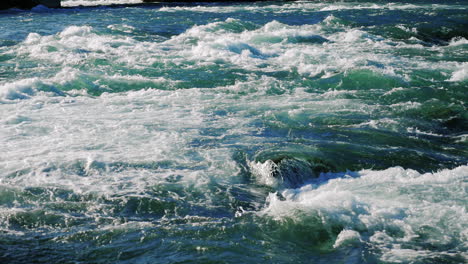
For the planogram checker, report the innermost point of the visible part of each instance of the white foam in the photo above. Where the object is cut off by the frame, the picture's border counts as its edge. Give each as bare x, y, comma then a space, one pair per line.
250, 49
407, 29
71, 143
461, 74
334, 7
458, 41
270, 47
346, 238
21, 89
123, 28
32, 38
76, 143
67, 74
462, 138
264, 172
380, 6
26, 88
75, 31
395, 90
420, 132
74, 3
390, 207
383, 123
74, 45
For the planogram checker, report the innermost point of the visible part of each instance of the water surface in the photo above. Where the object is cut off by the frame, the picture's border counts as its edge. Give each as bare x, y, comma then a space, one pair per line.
298, 132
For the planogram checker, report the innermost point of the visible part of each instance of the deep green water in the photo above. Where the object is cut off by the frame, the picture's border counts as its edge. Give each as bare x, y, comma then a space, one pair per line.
298, 132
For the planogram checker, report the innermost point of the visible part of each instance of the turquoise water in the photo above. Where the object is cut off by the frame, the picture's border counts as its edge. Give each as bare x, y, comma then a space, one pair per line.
297, 132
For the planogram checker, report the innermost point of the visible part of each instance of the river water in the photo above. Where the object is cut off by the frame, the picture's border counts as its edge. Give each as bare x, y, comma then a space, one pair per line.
273, 132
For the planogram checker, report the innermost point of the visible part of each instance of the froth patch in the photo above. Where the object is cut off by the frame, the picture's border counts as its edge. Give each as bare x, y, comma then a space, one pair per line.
346, 238
74, 45
461, 74
319, 50
390, 210
75, 3
264, 172
75, 31
458, 41
21, 89
53, 86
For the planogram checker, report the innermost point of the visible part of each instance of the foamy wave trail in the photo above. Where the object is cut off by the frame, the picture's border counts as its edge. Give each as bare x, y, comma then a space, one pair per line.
75, 3
399, 215
264, 132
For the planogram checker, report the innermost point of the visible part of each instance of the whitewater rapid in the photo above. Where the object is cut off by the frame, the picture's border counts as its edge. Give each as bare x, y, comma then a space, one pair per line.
269, 132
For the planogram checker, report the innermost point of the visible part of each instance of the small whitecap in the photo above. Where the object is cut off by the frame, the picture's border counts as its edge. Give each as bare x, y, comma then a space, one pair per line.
461, 74
75, 31
263, 171
21, 89
77, 3
458, 41
347, 238
32, 38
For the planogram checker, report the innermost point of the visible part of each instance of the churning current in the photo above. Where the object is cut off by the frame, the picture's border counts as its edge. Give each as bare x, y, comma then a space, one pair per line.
272, 132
